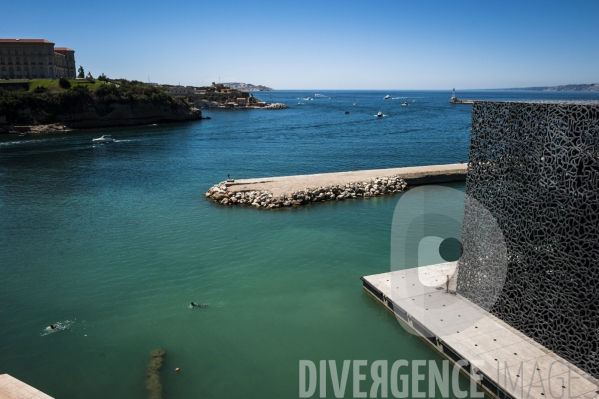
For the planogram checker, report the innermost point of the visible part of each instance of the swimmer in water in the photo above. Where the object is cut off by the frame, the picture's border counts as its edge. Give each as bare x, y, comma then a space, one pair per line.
198, 305
56, 327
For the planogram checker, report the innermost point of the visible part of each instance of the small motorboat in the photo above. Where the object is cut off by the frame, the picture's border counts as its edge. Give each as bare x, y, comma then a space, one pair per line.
379, 114
104, 139
309, 99
387, 97
405, 103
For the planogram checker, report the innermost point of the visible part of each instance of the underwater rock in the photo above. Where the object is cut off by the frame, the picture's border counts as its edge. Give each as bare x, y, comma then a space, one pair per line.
153, 374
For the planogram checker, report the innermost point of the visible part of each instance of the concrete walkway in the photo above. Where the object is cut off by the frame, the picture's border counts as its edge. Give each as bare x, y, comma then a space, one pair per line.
11, 388
285, 185
510, 364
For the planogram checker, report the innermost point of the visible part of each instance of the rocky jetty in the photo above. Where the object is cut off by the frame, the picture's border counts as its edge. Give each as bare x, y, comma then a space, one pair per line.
221, 194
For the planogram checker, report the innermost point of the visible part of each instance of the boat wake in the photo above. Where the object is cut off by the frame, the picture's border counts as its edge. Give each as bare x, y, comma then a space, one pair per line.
36, 141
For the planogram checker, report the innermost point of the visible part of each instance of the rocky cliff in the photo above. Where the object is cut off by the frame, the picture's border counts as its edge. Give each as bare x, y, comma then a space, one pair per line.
119, 103
130, 115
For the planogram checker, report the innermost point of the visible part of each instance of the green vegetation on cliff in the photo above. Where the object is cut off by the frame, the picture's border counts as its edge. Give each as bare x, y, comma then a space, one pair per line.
48, 102
54, 84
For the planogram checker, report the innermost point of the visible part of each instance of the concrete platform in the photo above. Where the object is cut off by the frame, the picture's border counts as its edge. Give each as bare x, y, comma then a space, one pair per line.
509, 364
285, 185
11, 388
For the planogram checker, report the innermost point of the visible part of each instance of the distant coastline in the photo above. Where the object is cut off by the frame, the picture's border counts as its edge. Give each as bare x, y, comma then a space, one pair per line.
590, 87
247, 87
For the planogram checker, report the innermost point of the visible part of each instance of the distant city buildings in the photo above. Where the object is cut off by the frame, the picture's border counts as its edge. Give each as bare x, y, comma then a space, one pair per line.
180, 90
216, 96
34, 59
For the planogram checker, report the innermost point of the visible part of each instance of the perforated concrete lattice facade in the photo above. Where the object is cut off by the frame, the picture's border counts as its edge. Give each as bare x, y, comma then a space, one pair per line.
535, 167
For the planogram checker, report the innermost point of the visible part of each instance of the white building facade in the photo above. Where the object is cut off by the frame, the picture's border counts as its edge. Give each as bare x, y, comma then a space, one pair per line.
35, 59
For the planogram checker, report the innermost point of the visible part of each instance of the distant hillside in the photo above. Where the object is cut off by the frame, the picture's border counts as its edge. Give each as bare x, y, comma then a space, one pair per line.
580, 87
247, 87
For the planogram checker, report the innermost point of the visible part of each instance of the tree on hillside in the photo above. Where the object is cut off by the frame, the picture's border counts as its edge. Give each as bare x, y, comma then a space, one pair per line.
81, 72
64, 83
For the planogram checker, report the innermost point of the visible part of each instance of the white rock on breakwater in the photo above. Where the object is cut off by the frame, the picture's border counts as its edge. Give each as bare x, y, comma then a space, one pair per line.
264, 199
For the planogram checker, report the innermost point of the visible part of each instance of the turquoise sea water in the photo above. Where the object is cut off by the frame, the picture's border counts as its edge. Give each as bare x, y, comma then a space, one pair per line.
116, 240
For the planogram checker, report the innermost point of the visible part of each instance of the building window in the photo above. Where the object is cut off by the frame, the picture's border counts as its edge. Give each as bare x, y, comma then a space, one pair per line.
19, 72
3, 73
1, 60
34, 72
27, 72
42, 73
50, 72
11, 73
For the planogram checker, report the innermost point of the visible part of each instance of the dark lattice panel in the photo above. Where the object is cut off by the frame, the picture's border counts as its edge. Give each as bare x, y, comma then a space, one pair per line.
535, 167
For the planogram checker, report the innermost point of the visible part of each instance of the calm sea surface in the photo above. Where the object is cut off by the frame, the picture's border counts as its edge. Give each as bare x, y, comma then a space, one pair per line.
116, 240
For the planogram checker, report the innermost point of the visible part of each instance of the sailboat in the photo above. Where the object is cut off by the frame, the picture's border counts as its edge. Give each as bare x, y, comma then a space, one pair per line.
354, 100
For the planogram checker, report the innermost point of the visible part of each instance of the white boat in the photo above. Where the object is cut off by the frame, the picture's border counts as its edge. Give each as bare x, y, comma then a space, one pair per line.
379, 114
104, 139
405, 103
319, 95
309, 99
387, 97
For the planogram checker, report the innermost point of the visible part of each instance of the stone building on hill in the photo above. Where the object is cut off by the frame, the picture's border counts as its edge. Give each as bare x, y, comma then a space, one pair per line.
35, 59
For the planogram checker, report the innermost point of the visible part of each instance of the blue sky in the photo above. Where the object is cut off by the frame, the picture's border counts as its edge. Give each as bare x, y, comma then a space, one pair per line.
324, 44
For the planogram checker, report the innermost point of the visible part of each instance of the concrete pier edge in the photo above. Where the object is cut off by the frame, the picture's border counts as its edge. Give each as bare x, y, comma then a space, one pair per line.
455, 351
12, 388
284, 188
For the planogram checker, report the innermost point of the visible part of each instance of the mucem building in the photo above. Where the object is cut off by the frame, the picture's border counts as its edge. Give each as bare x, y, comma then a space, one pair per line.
535, 167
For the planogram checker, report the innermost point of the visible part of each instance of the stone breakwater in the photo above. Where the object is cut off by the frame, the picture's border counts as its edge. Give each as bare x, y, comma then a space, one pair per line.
265, 199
